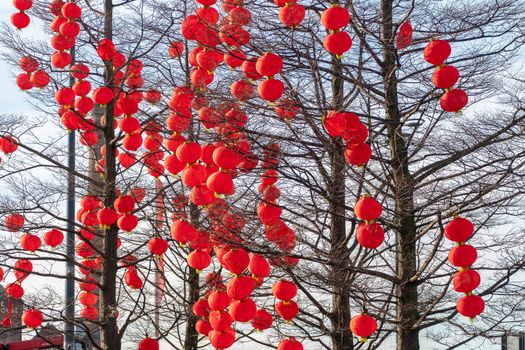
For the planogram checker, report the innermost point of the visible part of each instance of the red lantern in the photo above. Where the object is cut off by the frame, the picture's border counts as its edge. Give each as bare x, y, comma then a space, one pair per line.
459, 229
286, 109
269, 64
222, 340
199, 259
203, 327
240, 287
84, 250
259, 266
157, 246
242, 90
437, 51
220, 182
284, 290
102, 95
220, 320
470, 306
445, 77
404, 35
182, 231
262, 320
208, 14
22, 5
106, 49
189, 152
269, 214
23, 268
290, 344
87, 298
32, 318
363, 326
194, 175
370, 235
236, 261
453, 100
462, 255
124, 204
89, 313
249, 69
65, 97
14, 222
20, 20
201, 308
338, 43
270, 90
466, 281
219, 300
148, 344
126, 159
243, 310
61, 59
127, 222
292, 15
152, 96
14, 290
335, 17
226, 158
132, 279
240, 16
40, 79
23, 81
358, 154
53, 238
69, 29
367, 208
30, 242
176, 49
71, 11
234, 58
287, 310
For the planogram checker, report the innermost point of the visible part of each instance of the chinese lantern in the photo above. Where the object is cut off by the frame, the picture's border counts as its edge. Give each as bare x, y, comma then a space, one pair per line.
454, 100
32, 318
337, 43
89, 313
462, 255
262, 320
71, 11
65, 97
102, 95
286, 109
259, 266
404, 35
249, 69
157, 246
236, 261
189, 152
106, 49
358, 154
124, 204
287, 310
30, 242
470, 306
226, 158
234, 58
199, 259
203, 327
367, 208
220, 320
370, 235
240, 16
445, 77
20, 20
284, 290
243, 310
218, 300
201, 308
363, 326
459, 229
220, 182
270, 89
87, 298
240, 287
242, 90
61, 59
53, 237
152, 96
194, 175
292, 15
23, 81
176, 49
148, 344
22, 268
182, 231
14, 222
132, 279
84, 250
335, 17
466, 281
437, 51
269, 64
40, 79
222, 340
268, 213
290, 344
14, 290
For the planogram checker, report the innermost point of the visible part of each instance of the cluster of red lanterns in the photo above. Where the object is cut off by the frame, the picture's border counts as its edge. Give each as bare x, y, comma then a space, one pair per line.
369, 233
335, 19
32, 75
269, 65
463, 256
445, 76
66, 29
348, 126
291, 13
20, 19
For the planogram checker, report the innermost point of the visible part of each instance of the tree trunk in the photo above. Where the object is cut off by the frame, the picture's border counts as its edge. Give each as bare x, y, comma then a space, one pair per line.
407, 296
110, 338
191, 336
340, 318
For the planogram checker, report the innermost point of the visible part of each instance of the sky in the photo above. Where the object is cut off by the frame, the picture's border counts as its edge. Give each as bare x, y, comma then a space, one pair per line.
13, 100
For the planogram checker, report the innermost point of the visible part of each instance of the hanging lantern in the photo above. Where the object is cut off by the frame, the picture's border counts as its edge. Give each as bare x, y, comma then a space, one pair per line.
194, 175
222, 340
370, 235
454, 100
65, 96
404, 35
203, 327
240, 287
271, 89
14, 222
199, 259
30, 242
14, 290
337, 43
226, 158
20, 20
287, 310
132, 279
262, 320
234, 58
242, 90
124, 204
89, 313
259, 266
148, 344
462, 255
269, 64
335, 17
358, 154
106, 49
176, 49
466, 280
32, 318
445, 77
23, 81
470, 306
220, 320
40, 79
363, 326
290, 344
243, 310
219, 300
459, 229
61, 59
87, 298
182, 231
367, 208
102, 95
157, 246
189, 152
53, 238
201, 308
127, 222
292, 15
437, 51
236, 261
22, 268
284, 290
269, 214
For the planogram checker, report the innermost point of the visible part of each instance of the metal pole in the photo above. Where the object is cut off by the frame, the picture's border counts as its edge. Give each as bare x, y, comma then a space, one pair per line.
70, 237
